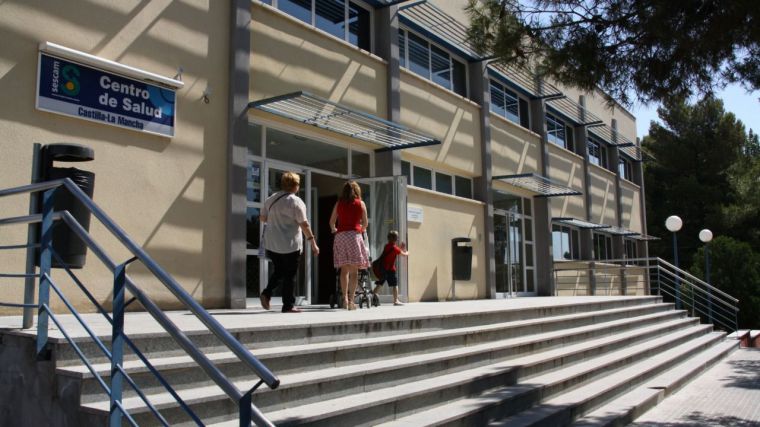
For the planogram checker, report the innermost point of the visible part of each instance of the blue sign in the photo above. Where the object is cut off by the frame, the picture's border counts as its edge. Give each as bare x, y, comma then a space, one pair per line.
78, 90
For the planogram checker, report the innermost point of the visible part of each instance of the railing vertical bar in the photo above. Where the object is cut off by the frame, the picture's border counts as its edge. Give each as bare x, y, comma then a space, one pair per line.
45, 264
84, 290
117, 345
32, 238
144, 398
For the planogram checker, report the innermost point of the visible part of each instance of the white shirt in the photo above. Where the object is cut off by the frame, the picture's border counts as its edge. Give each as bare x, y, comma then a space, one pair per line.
283, 234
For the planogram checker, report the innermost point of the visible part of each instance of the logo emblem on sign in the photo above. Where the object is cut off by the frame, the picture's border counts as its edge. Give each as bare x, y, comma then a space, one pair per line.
70, 85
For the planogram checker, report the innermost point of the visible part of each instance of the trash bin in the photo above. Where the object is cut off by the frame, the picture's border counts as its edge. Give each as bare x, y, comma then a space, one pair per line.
461, 258
71, 249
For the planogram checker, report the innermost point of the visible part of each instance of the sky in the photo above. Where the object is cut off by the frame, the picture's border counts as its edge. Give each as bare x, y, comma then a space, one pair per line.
745, 106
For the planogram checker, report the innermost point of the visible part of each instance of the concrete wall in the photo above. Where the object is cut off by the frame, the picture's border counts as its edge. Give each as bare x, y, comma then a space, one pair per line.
630, 194
567, 169
446, 116
603, 201
514, 149
288, 55
445, 217
571, 278
148, 184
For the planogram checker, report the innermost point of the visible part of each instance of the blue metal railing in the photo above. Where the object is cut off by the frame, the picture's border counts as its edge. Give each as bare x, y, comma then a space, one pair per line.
652, 276
122, 283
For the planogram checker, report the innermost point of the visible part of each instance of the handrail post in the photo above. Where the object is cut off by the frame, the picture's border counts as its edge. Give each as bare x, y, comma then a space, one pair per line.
31, 239
46, 249
244, 404
117, 343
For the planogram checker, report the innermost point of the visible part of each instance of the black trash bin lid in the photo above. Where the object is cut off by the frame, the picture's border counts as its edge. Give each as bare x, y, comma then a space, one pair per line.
69, 152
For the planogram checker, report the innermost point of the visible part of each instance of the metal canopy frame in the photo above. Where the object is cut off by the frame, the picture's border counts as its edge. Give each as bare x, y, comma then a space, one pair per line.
441, 25
645, 237
580, 223
611, 136
316, 111
525, 80
620, 231
541, 185
574, 111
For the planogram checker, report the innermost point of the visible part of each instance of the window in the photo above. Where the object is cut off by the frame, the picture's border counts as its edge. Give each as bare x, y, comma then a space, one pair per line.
340, 18
558, 133
602, 246
597, 153
431, 62
565, 244
505, 103
437, 181
631, 251
624, 168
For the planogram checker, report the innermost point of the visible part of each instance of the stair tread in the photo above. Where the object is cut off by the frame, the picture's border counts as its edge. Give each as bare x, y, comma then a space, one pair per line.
290, 380
162, 362
462, 407
653, 390
601, 386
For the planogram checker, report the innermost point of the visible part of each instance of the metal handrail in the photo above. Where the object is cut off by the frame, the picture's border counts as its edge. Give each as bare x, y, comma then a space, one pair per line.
266, 376
661, 276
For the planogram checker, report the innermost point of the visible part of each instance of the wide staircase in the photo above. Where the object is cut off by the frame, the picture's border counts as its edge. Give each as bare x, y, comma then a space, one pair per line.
535, 361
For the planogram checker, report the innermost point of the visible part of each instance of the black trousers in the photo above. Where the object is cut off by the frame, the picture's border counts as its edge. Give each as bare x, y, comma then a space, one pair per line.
285, 270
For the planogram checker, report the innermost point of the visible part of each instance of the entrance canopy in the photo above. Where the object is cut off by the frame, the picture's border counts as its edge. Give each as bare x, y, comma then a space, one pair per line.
645, 237
313, 110
580, 223
541, 186
619, 231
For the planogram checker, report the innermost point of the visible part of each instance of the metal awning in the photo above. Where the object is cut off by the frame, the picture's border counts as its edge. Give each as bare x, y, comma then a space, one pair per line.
580, 223
611, 136
619, 231
442, 26
541, 185
645, 237
313, 110
574, 111
634, 152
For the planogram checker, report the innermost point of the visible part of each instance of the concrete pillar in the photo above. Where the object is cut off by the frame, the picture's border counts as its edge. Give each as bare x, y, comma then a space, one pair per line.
240, 73
618, 247
388, 163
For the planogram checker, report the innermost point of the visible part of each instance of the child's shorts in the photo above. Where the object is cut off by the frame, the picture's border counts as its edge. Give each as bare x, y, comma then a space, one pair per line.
390, 277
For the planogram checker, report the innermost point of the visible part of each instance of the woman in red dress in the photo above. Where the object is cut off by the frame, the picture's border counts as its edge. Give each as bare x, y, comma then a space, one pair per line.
348, 222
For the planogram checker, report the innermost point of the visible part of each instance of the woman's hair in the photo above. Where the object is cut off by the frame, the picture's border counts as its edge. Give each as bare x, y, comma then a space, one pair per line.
289, 181
351, 191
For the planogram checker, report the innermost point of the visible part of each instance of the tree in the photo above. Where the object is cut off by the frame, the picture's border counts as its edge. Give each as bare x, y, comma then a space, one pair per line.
734, 269
743, 214
655, 49
692, 156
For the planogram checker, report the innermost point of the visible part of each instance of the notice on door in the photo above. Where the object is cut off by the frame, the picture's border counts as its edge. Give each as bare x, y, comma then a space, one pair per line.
78, 90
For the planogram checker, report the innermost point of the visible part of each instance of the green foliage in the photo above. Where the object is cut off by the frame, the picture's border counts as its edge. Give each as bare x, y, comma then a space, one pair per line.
655, 49
734, 269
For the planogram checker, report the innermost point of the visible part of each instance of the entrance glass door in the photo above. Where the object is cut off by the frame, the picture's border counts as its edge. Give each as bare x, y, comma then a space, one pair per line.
385, 198
513, 242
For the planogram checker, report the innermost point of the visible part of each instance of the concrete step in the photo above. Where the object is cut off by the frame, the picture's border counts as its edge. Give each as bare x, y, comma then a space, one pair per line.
182, 372
367, 326
626, 408
408, 397
479, 409
566, 407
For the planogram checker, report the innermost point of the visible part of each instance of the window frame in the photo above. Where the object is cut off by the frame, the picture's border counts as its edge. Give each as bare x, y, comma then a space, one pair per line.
625, 168
346, 6
404, 62
505, 90
573, 240
601, 148
559, 123
604, 239
434, 178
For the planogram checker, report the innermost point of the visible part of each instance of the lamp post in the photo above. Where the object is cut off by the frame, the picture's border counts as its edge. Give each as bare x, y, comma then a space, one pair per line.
706, 236
673, 224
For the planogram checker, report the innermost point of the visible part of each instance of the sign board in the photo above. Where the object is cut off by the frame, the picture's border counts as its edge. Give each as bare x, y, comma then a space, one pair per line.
82, 91
414, 214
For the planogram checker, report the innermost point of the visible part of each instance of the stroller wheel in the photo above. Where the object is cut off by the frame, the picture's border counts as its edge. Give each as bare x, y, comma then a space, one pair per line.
375, 300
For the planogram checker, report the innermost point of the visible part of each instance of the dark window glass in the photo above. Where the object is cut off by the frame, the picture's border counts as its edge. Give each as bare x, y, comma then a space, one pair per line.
252, 268
624, 168
555, 130
253, 182
441, 67
253, 236
497, 100
576, 245
304, 151
460, 77
406, 170
358, 26
528, 229
524, 114
331, 17
529, 255
511, 106
402, 47
528, 207
299, 9
269, 2
443, 183
463, 187
419, 55
570, 138
359, 164
423, 178
253, 139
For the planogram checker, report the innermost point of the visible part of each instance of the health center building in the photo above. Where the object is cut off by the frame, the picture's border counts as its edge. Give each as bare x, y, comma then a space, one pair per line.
193, 109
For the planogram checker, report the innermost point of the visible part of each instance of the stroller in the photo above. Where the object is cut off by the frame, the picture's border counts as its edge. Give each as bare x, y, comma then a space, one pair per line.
363, 297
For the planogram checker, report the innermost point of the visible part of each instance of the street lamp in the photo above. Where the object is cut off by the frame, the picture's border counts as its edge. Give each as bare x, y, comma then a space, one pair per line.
673, 224
706, 236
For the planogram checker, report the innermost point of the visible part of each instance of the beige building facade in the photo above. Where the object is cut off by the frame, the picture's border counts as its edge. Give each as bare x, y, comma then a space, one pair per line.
534, 175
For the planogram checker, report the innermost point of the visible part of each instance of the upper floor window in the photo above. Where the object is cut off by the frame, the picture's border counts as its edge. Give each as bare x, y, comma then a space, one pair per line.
565, 243
631, 251
343, 19
624, 168
558, 133
597, 153
508, 104
422, 177
602, 246
431, 62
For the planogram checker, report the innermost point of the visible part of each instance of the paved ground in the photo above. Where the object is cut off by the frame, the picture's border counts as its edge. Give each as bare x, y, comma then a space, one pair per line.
726, 395
137, 323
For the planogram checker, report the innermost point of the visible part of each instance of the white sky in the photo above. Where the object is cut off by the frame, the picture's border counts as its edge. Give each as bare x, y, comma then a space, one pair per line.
745, 106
